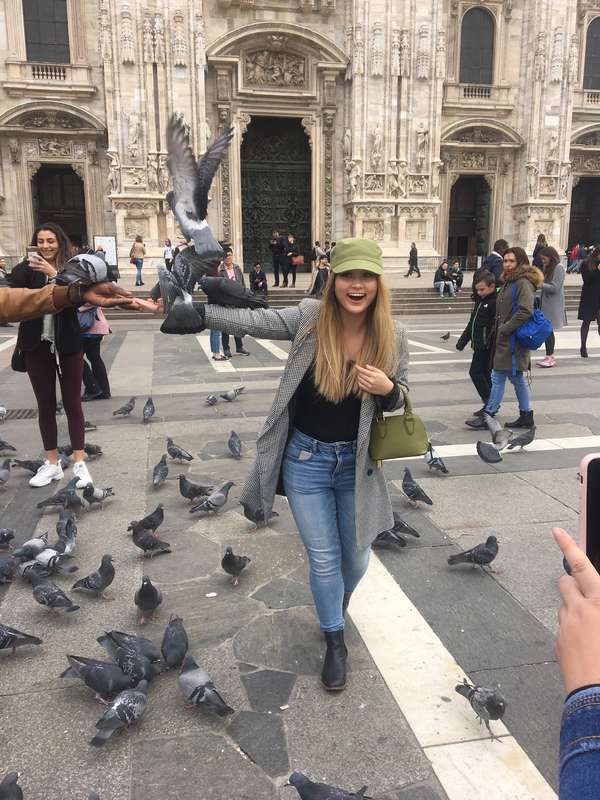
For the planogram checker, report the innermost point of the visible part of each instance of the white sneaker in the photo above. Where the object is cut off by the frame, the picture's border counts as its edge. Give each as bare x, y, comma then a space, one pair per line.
81, 471
46, 474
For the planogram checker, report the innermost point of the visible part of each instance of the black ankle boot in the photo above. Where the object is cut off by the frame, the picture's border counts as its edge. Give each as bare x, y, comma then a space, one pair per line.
525, 420
333, 674
346, 601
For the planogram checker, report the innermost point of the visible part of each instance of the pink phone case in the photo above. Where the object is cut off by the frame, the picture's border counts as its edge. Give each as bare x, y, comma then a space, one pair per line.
583, 487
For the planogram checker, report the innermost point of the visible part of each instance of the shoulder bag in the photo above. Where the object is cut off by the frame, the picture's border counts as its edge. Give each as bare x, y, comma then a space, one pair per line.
531, 334
298, 261
86, 318
398, 435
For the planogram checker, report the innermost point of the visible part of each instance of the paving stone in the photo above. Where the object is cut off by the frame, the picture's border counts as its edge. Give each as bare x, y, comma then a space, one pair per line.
268, 689
193, 556
262, 738
283, 593
562, 484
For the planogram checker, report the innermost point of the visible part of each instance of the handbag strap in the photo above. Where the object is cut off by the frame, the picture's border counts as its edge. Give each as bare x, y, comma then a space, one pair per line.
408, 409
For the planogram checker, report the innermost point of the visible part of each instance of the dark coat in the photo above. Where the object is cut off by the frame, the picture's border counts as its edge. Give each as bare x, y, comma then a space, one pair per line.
494, 263
440, 275
239, 275
528, 280
589, 305
66, 325
480, 328
290, 247
256, 278
413, 257
535, 258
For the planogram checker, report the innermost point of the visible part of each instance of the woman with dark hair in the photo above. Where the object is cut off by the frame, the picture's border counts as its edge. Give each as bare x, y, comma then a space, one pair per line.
514, 306
539, 246
168, 254
589, 305
48, 346
552, 300
136, 256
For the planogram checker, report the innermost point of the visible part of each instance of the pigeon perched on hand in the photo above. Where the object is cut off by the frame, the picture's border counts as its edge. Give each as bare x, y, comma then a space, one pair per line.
235, 445
160, 472
212, 400
522, 440
412, 489
6, 537
103, 677
214, 501
223, 292
9, 788
178, 453
49, 594
488, 704
8, 567
148, 411
84, 268
11, 638
481, 555
5, 446
30, 466
311, 790
199, 690
147, 598
32, 547
99, 580
126, 708
111, 641
151, 522
5, 471
257, 515
234, 565
149, 543
434, 460
191, 491
488, 452
175, 642
232, 394
97, 496
125, 410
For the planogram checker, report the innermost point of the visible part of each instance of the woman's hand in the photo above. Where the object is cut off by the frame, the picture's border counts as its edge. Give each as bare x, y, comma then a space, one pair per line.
39, 264
373, 380
577, 645
140, 304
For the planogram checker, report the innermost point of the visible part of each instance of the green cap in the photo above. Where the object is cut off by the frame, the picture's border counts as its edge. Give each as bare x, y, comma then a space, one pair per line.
349, 254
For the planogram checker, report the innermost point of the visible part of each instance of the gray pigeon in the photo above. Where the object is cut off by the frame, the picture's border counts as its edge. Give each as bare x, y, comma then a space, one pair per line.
178, 453
134, 664
234, 565
191, 491
5, 446
60, 498
402, 527
9, 788
311, 790
257, 515
212, 400
412, 489
125, 410
6, 537
99, 580
55, 562
148, 410
500, 434
481, 555
66, 530
151, 522
388, 539
11, 638
488, 704
97, 496
30, 466
91, 450
235, 445
49, 594
223, 292
32, 547
214, 501
104, 677
89, 426
126, 708
5, 471
199, 690
523, 439
232, 394
434, 461
149, 543
112, 640
175, 642
8, 567
488, 452
445, 337
147, 598
160, 472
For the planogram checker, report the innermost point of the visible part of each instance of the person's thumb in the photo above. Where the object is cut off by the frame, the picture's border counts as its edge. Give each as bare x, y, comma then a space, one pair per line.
582, 569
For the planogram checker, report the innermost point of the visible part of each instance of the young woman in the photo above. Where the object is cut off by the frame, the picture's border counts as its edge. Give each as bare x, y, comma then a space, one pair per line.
552, 301
168, 254
292, 250
346, 360
95, 377
539, 246
589, 305
511, 361
136, 256
52, 345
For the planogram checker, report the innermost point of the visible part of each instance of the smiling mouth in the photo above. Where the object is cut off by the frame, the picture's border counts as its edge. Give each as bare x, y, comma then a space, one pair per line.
356, 295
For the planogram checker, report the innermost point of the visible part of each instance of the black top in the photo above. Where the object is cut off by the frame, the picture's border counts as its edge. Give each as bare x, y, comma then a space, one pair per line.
67, 333
320, 418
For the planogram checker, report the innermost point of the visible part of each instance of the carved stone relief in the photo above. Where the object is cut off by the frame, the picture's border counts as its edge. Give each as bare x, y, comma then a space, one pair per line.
440, 55
417, 184
557, 61
134, 176
374, 183
199, 42
573, 68
395, 54
354, 180
159, 39
422, 146
472, 160
127, 36
396, 184
136, 226
563, 183
377, 49
244, 120
532, 178
582, 163
51, 119
376, 147
133, 134
152, 172
373, 211
358, 51
415, 211
308, 123
423, 53
180, 44
539, 59
436, 167
114, 171
14, 151
32, 168
588, 140
552, 152
405, 53
79, 170
54, 148
328, 127
373, 229
148, 41
92, 154
415, 230
271, 68
224, 121
478, 135
223, 84
164, 176
548, 185
105, 38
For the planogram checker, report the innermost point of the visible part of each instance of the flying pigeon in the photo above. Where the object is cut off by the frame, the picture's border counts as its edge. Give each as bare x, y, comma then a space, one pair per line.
311, 790
214, 501
9, 788
234, 565
11, 638
488, 452
412, 489
104, 677
97, 496
6, 537
191, 490
178, 453
500, 434
522, 440
481, 555
148, 411
112, 640
199, 690
147, 598
175, 642
126, 708
160, 472
99, 580
488, 704
434, 460
257, 516
235, 445
212, 400
149, 523
125, 411
49, 594
223, 292
232, 394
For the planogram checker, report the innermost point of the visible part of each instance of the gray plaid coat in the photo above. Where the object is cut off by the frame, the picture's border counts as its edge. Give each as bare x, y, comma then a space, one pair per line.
372, 501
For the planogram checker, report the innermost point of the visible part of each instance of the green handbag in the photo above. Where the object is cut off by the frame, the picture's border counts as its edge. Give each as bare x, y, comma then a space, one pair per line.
399, 435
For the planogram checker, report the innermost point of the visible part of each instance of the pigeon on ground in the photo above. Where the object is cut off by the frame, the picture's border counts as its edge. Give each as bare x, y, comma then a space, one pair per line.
445, 337
61, 497
104, 677
500, 434
488, 452
311, 790
125, 410
32, 547
148, 410
149, 543
488, 704
160, 472
147, 598
66, 530
149, 523
55, 562
112, 640
191, 490
223, 292
388, 539
5, 471
178, 453
135, 665
97, 496
234, 565
412, 489
175, 642
11, 638
27, 568
523, 439
30, 466
99, 580
235, 445
199, 690
3, 409
89, 426
91, 450
212, 400
257, 516
232, 394
9, 788
8, 567
5, 446
481, 555
434, 461
126, 708
402, 527
214, 501
49, 594
6, 537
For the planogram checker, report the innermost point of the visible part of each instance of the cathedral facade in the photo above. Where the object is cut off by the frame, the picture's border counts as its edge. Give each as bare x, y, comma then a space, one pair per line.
449, 123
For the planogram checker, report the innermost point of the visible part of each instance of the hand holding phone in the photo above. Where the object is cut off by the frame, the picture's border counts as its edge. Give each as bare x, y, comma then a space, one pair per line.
589, 507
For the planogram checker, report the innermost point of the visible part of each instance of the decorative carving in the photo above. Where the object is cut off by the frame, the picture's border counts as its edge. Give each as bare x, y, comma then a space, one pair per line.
588, 140
347, 144
565, 175
354, 179
180, 44
478, 135
547, 185
573, 69
472, 160
358, 51
131, 204
244, 120
422, 145
54, 148
224, 122
152, 172
374, 183
92, 154
32, 168
582, 163
52, 119
415, 211
377, 49
379, 211
105, 38
349, 50
557, 61
376, 147
423, 52
395, 54
148, 41
539, 59
436, 167
506, 162
277, 41
417, 184
393, 183
223, 84
164, 175
114, 171
186, 125
200, 48
328, 165
159, 39
80, 151
308, 124
79, 170
329, 89
552, 152
14, 151
532, 178
271, 68
136, 226
134, 176
127, 36
405, 53
31, 150
490, 179
133, 134
373, 229
508, 7
440, 55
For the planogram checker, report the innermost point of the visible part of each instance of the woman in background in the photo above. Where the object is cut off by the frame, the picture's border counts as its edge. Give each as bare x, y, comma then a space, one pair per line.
552, 300
589, 305
136, 255
95, 377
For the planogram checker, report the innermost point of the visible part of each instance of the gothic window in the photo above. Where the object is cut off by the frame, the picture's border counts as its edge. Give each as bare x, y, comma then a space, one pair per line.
477, 47
46, 31
591, 75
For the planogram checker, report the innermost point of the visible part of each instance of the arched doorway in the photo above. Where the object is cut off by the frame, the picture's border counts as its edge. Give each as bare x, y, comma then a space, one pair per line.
58, 196
584, 225
276, 186
469, 224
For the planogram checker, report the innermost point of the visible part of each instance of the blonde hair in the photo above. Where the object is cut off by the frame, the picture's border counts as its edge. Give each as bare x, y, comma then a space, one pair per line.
333, 379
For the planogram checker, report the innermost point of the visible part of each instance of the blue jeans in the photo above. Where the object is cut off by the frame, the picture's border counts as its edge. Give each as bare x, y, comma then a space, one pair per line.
439, 285
580, 746
318, 478
139, 263
215, 341
519, 381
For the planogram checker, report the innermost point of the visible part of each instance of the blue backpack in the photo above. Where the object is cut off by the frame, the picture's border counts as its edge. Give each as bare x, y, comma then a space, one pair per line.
533, 333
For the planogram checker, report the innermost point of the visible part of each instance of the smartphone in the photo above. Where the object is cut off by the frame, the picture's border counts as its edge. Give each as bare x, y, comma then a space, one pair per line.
589, 507
31, 251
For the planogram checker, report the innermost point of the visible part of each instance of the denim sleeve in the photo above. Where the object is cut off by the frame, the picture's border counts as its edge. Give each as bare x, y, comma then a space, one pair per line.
580, 746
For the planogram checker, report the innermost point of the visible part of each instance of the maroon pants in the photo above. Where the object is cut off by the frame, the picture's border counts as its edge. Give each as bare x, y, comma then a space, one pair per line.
41, 368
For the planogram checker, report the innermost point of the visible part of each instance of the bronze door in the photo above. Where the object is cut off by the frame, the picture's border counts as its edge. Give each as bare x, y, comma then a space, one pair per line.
276, 189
